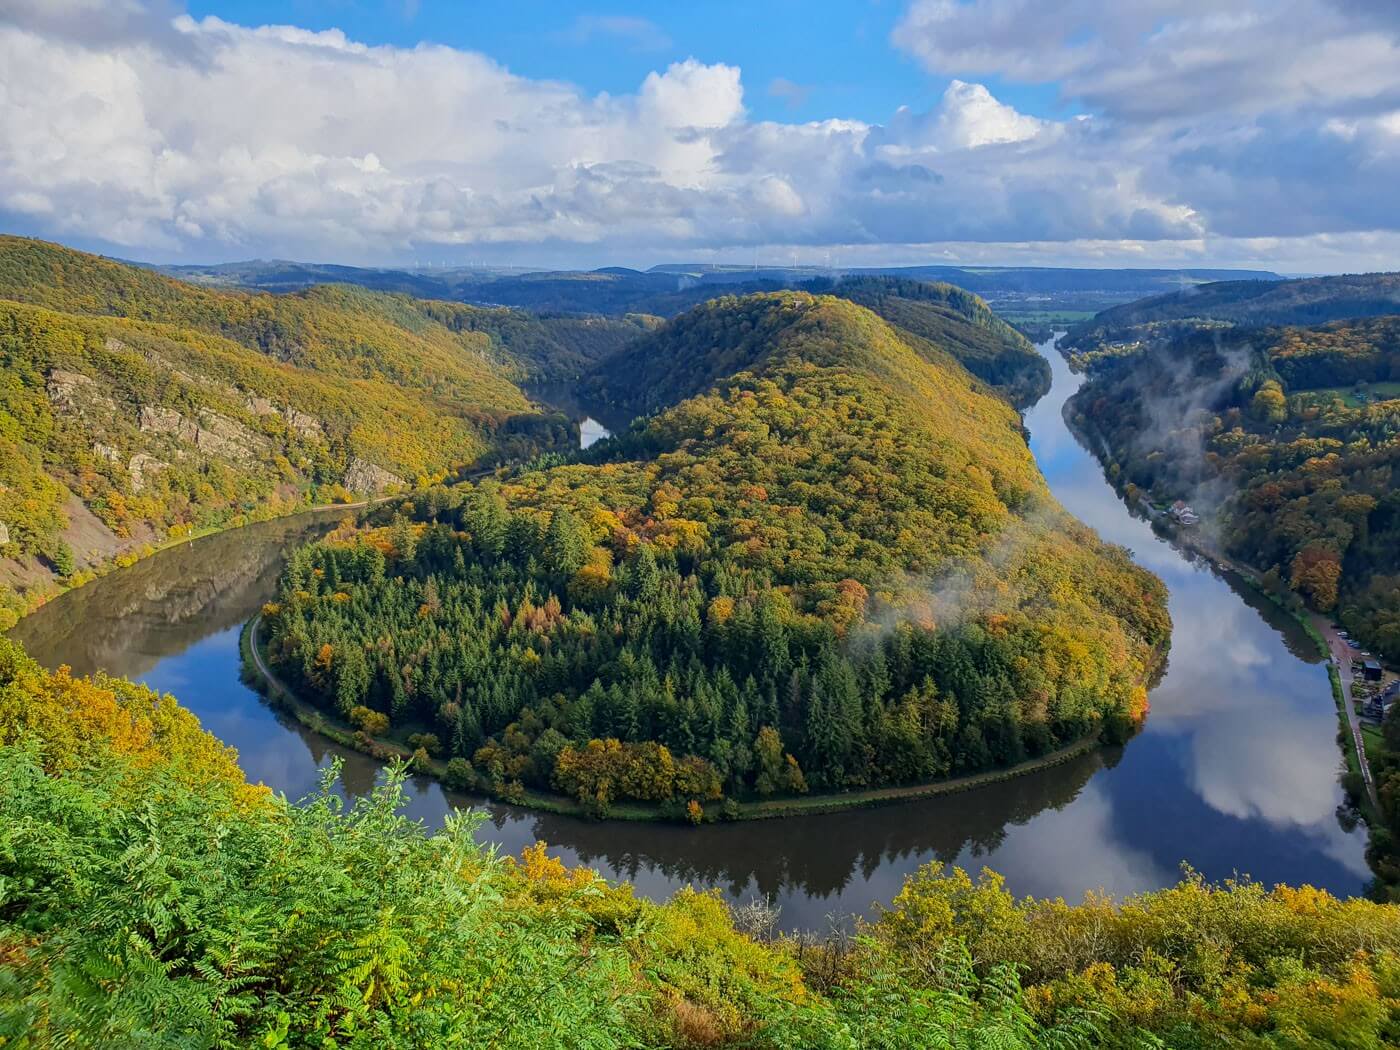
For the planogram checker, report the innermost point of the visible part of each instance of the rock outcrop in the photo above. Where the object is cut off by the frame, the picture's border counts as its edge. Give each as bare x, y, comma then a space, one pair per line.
362, 476
305, 425
142, 467
74, 393
156, 419
213, 434
220, 436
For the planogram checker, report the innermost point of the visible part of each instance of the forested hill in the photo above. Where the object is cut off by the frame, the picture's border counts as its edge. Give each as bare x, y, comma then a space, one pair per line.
1286, 439
331, 327
581, 317
1246, 304
942, 323
133, 406
954, 320
831, 563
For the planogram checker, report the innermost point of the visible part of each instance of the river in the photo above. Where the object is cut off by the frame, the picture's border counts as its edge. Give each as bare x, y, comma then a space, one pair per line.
1236, 771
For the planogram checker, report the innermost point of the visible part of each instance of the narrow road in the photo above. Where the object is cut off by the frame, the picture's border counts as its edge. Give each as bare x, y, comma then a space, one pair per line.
1342, 655
263, 669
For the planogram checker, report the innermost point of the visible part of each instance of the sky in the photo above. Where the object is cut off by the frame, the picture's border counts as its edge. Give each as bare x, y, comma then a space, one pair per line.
578, 134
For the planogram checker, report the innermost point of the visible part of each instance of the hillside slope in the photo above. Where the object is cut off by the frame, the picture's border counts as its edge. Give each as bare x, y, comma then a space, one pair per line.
832, 546
133, 406
945, 324
1245, 304
1287, 440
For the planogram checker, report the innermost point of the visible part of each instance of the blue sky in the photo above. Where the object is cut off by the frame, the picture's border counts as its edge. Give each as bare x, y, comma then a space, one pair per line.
1087, 132
836, 54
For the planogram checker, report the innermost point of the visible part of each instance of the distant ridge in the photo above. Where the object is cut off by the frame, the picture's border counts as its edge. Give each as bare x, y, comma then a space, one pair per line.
1250, 304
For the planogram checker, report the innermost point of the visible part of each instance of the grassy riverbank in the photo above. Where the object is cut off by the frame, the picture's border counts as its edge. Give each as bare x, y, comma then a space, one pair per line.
260, 677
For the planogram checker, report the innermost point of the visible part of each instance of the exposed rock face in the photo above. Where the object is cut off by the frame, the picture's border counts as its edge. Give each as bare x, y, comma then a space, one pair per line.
306, 426
74, 392
361, 476
4, 534
114, 344
214, 434
107, 452
142, 467
220, 436
156, 419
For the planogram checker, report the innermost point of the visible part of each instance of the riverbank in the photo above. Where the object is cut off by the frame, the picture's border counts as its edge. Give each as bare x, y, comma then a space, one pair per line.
127, 559
1349, 737
261, 677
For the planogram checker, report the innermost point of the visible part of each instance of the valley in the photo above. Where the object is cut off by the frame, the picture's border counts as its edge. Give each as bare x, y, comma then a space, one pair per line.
1239, 672
740, 500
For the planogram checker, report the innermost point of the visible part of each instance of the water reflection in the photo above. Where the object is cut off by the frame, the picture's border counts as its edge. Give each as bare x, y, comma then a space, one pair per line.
595, 421
1235, 772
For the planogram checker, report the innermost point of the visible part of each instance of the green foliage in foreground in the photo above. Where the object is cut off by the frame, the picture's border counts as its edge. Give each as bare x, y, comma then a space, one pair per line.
149, 897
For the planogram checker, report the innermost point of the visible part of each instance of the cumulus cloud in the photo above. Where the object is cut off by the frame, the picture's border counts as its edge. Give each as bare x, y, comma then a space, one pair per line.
133, 125
1260, 118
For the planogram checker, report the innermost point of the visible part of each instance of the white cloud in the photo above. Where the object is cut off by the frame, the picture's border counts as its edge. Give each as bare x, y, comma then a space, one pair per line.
642, 34
135, 127
1178, 60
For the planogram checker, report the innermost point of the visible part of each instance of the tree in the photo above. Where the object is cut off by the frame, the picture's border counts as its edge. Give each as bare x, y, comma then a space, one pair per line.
565, 545
1315, 572
404, 538
351, 679
1269, 404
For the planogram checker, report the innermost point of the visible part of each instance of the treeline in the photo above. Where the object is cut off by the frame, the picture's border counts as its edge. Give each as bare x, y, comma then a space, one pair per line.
839, 570
152, 897
1288, 439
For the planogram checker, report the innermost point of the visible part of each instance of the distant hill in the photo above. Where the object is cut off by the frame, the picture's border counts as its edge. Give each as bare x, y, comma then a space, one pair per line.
668, 289
942, 322
990, 280
1251, 304
134, 406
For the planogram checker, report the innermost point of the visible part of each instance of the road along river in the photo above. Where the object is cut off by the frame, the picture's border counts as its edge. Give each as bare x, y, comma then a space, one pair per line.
1236, 771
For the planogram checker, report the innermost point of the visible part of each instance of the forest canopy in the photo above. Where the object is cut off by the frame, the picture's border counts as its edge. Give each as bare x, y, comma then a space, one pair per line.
829, 564
135, 408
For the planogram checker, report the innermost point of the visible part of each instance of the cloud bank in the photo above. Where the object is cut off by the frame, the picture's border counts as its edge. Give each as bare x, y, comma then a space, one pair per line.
1273, 132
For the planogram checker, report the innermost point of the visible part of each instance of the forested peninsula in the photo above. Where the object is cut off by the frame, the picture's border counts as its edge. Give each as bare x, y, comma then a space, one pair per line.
828, 563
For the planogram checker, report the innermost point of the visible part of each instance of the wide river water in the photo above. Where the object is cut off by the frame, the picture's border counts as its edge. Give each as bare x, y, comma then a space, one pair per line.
1235, 773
